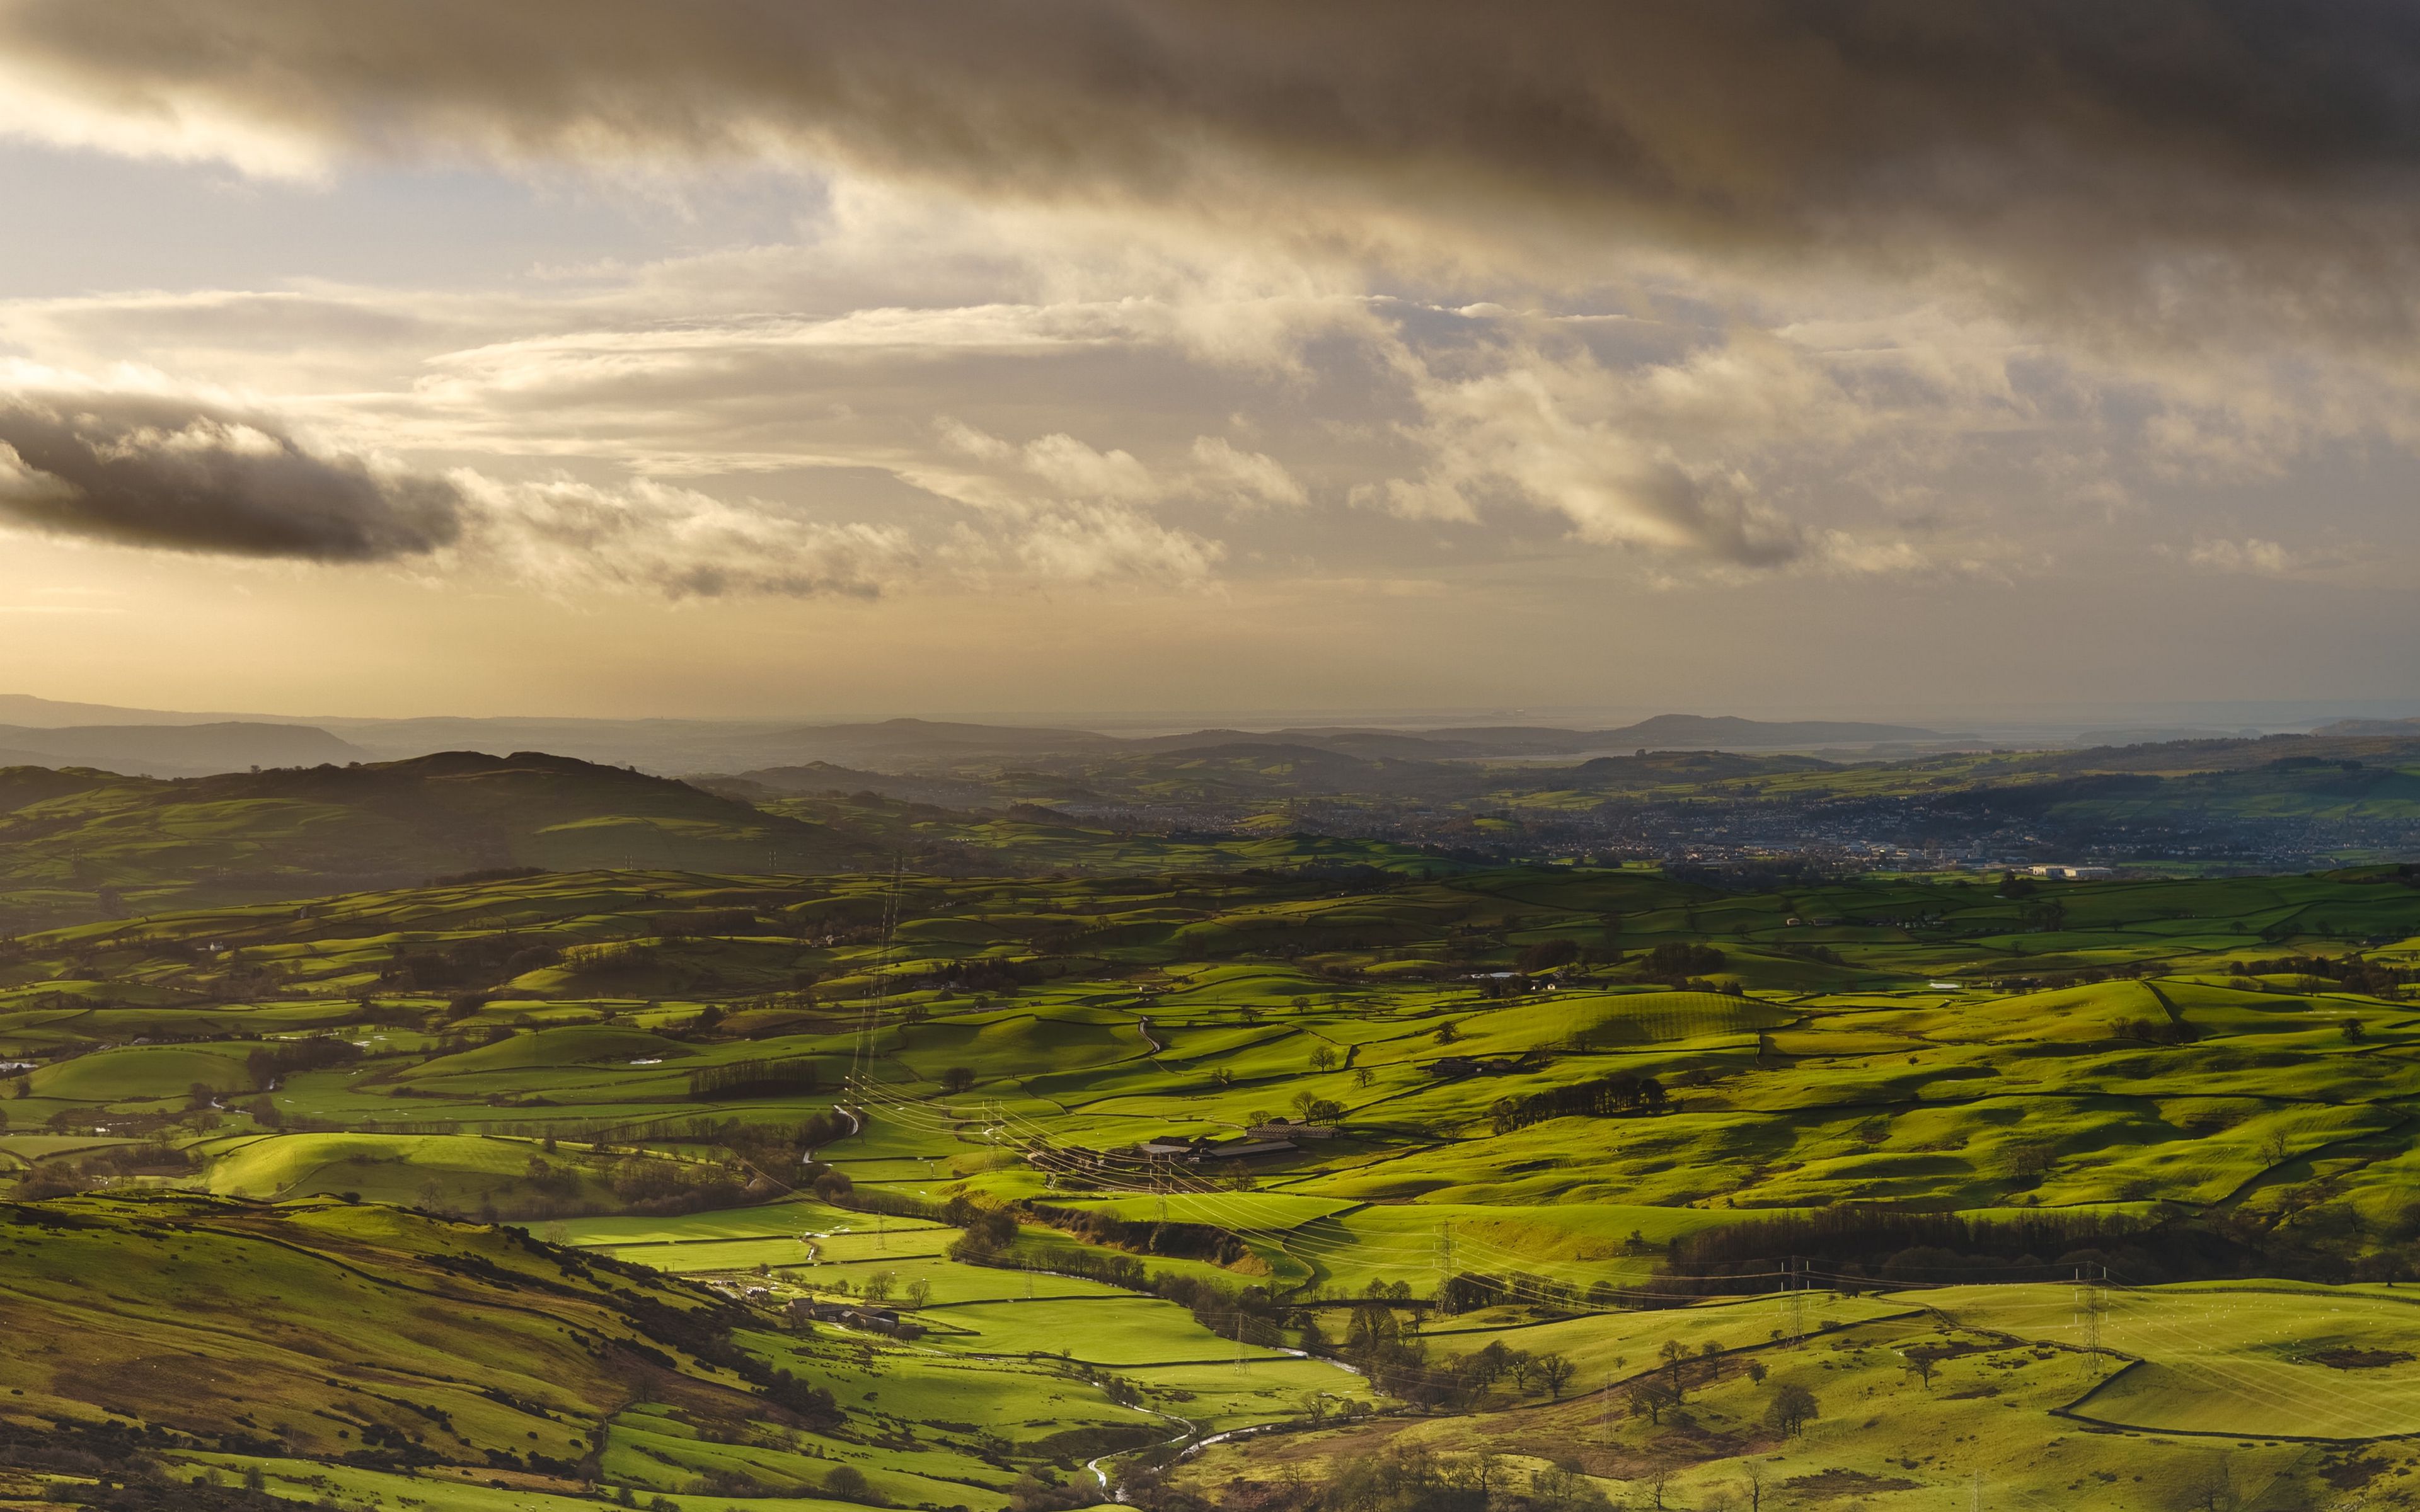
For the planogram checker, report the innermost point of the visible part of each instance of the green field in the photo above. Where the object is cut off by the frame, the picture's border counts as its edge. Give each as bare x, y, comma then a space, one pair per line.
403, 1197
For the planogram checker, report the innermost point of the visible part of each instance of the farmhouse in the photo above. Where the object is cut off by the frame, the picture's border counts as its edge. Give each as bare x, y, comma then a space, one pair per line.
869, 1318
1288, 1129
1250, 1150
1260, 1144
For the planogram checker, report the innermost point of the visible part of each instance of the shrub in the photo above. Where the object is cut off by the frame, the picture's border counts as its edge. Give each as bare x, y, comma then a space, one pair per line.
849, 1484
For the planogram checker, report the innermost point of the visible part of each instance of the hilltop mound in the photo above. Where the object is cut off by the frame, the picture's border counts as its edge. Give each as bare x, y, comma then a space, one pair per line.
75, 844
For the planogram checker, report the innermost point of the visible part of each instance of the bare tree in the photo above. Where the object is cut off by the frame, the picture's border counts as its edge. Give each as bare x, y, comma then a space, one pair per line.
1675, 1355
2213, 1490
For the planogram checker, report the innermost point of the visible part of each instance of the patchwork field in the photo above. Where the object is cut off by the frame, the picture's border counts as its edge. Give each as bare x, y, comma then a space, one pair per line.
1243, 1188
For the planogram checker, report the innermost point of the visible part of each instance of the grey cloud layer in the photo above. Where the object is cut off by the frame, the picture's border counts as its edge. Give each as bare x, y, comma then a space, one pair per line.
2071, 127
2018, 190
167, 473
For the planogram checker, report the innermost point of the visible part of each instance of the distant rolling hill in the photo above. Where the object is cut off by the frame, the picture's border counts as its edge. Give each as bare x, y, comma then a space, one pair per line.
1693, 732
2402, 728
821, 777
175, 750
711, 745
76, 842
923, 746
1665, 732
32, 712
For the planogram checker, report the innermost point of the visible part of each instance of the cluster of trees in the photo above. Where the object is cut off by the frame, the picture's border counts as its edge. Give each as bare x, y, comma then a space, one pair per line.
271, 1065
1413, 1478
1679, 1370
801, 999
1548, 954
155, 1156
981, 974
1603, 1098
1467, 1291
2153, 1031
610, 958
989, 1234
1385, 1345
1676, 962
454, 1041
1529, 1374
110, 1467
753, 1078
843, 1483
1883, 1243
658, 1186
760, 1140
1386, 1351
1177, 1241
985, 1231
482, 960
1125, 1271
2371, 979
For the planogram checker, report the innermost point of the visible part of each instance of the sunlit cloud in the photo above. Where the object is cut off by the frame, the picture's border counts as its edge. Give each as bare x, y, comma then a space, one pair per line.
1193, 296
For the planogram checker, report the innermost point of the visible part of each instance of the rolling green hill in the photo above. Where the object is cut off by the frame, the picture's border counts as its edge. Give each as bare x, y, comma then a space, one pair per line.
75, 844
2045, 1185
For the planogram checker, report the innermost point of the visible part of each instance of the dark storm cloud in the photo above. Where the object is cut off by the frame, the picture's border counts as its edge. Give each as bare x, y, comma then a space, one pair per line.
168, 474
1724, 122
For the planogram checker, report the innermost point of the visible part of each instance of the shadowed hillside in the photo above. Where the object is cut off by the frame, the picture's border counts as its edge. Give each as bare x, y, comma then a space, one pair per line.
79, 843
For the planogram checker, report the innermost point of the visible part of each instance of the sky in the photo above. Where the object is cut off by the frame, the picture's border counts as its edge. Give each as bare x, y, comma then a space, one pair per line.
792, 357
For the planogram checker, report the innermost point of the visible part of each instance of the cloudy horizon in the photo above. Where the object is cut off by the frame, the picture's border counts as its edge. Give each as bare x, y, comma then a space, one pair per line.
622, 358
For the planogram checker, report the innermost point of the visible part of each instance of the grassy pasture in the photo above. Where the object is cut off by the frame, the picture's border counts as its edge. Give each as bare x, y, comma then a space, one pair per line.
144, 1074
1083, 1018
447, 1172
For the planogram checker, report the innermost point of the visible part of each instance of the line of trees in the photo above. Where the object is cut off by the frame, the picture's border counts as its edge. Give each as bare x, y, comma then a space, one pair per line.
1603, 1098
1885, 1244
2371, 979
270, 1065
753, 1078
